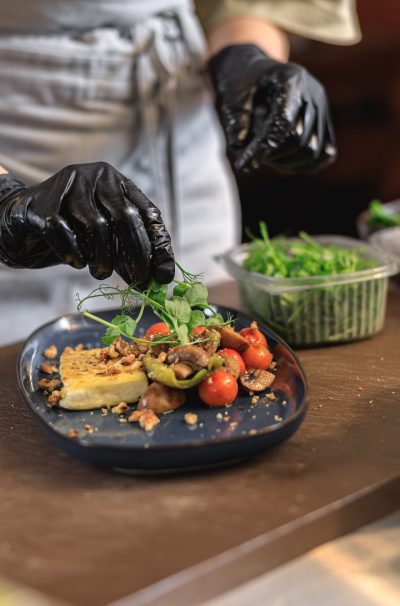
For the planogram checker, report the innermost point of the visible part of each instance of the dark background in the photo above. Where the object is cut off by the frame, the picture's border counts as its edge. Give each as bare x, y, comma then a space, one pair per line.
363, 85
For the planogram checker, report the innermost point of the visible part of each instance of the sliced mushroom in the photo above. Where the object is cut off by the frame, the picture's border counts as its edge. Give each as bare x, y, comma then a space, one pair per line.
160, 398
232, 339
231, 365
195, 356
256, 379
182, 370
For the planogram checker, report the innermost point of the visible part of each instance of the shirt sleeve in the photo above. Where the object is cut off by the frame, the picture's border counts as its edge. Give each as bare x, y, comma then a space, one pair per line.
331, 21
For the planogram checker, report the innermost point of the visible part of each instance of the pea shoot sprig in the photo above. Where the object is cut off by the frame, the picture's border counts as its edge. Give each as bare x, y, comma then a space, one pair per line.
187, 308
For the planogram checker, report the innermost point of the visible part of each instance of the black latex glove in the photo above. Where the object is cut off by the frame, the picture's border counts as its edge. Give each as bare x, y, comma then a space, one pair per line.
272, 113
86, 214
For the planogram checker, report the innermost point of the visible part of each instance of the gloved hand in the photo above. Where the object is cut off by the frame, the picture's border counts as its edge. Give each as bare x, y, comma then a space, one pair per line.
86, 214
273, 113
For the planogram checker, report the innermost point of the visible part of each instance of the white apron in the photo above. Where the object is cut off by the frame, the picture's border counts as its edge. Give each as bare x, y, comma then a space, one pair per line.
123, 82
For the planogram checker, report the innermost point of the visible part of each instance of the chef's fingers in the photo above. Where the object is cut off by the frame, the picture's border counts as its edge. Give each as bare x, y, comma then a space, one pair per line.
162, 259
132, 255
62, 239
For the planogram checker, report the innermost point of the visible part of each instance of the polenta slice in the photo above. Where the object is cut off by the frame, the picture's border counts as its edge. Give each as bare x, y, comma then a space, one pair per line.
87, 384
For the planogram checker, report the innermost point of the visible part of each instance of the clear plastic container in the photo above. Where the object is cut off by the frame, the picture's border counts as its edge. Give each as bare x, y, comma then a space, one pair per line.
317, 309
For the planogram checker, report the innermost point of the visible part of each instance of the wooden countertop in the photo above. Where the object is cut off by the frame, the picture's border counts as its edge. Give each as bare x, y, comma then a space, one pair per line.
89, 536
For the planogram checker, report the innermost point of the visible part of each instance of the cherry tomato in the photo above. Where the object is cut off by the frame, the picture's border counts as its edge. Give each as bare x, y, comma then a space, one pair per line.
198, 330
234, 354
257, 357
219, 389
254, 336
159, 328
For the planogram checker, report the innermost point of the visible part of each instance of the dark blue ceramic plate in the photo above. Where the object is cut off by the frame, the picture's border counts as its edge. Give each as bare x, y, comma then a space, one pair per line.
244, 430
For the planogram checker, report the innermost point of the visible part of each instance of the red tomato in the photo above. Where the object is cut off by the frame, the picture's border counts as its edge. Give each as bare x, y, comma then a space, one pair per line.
257, 357
219, 389
198, 330
159, 328
234, 354
254, 336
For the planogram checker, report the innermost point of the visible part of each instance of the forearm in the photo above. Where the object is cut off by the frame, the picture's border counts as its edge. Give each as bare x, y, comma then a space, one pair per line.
249, 30
3, 171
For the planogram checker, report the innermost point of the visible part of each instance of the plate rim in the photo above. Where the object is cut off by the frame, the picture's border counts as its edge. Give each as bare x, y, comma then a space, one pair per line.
300, 411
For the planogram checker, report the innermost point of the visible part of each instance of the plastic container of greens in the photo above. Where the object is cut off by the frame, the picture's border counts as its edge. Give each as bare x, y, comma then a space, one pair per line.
319, 309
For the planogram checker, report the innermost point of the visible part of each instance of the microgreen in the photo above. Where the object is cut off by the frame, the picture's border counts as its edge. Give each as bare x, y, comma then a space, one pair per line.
380, 217
183, 311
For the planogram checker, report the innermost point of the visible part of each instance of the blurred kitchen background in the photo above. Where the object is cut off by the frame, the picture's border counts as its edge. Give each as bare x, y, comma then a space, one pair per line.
363, 84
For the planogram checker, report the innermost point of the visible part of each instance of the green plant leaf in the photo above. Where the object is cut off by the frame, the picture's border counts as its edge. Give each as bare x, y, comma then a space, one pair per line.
197, 294
179, 308
180, 289
197, 318
182, 332
214, 320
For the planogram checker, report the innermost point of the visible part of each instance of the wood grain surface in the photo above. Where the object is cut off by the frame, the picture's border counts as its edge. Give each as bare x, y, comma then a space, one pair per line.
89, 536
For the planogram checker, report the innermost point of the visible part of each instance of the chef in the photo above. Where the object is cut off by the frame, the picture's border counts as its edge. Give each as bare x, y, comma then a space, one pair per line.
110, 144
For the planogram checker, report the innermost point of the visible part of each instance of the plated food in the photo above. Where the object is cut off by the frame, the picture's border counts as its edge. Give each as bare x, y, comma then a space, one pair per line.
313, 290
217, 361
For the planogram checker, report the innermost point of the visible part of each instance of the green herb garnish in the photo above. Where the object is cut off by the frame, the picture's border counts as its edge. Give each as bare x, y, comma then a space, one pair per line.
183, 311
381, 217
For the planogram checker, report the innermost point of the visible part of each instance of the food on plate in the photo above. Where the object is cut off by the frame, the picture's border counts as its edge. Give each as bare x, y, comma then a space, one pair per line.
191, 349
92, 382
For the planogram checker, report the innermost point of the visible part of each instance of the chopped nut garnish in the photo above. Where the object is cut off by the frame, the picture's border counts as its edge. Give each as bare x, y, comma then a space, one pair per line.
277, 418
148, 420
234, 424
88, 427
120, 408
135, 416
227, 418
273, 365
104, 411
48, 384
51, 352
254, 399
131, 359
54, 398
219, 416
68, 349
80, 347
123, 420
73, 433
48, 369
360, 388
113, 370
271, 396
191, 418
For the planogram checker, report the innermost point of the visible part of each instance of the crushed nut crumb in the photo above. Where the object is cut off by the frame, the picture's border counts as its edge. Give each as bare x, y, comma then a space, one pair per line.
120, 408
253, 432
227, 418
148, 420
54, 398
51, 352
104, 411
72, 433
360, 388
80, 347
123, 420
277, 418
254, 399
48, 384
135, 416
234, 424
68, 349
219, 416
191, 418
273, 365
48, 369
271, 396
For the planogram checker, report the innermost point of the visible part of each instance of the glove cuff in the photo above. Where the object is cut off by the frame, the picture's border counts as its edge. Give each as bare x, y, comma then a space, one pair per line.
9, 185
